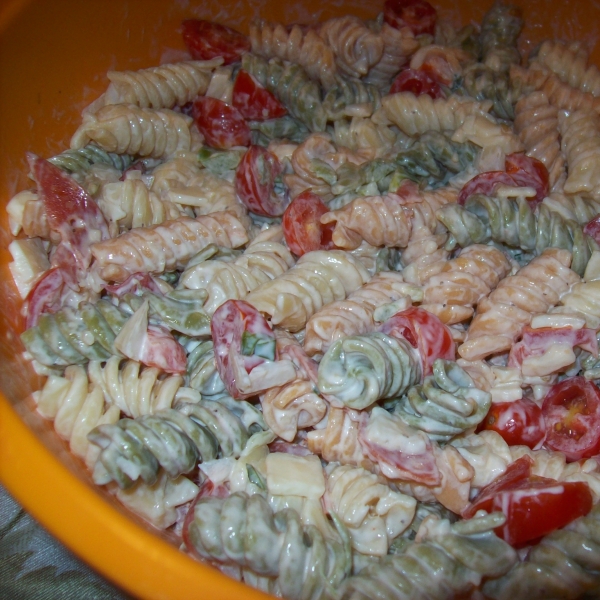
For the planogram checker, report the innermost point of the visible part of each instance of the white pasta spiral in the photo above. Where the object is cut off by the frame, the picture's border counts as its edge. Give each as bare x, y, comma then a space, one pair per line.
165, 247
261, 262
503, 314
165, 86
76, 408
373, 513
355, 46
570, 63
129, 129
317, 279
580, 132
304, 48
135, 391
536, 122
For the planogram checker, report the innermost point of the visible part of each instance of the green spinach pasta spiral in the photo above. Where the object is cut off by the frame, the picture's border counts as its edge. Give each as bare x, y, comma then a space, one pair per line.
446, 404
75, 336
361, 369
292, 86
81, 160
174, 439
244, 531
512, 222
450, 561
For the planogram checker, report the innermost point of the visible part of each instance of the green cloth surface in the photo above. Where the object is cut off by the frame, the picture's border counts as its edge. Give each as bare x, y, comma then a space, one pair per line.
35, 566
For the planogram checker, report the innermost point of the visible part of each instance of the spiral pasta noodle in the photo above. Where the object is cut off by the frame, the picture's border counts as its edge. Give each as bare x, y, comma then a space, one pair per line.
63, 338
512, 222
306, 49
133, 390
570, 63
76, 408
373, 513
354, 315
446, 404
574, 208
317, 279
580, 131
398, 46
165, 86
559, 94
500, 30
128, 129
130, 204
361, 369
452, 289
536, 122
460, 555
167, 246
81, 160
244, 531
349, 98
502, 315
202, 372
174, 439
292, 86
355, 46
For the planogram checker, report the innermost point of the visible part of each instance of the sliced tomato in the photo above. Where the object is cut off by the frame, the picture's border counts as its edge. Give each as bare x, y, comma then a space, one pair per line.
592, 228
535, 342
132, 284
45, 295
222, 125
72, 213
255, 180
418, 82
534, 506
302, 225
423, 331
528, 171
206, 40
572, 414
485, 183
419, 15
253, 100
234, 326
520, 171
519, 423
163, 351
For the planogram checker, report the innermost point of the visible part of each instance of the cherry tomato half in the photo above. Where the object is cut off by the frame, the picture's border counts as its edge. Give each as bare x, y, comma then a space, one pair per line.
534, 506
418, 82
302, 225
572, 414
519, 423
221, 125
424, 331
593, 228
255, 182
528, 171
253, 100
419, 15
206, 40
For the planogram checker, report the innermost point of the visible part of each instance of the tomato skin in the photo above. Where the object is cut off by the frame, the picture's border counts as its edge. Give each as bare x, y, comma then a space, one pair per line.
534, 506
572, 414
45, 295
253, 100
229, 323
418, 15
418, 82
221, 125
593, 228
206, 40
529, 171
302, 225
521, 171
255, 182
519, 423
424, 331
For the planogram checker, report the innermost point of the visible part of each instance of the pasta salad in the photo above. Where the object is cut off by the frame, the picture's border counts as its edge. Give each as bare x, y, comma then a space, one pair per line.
323, 300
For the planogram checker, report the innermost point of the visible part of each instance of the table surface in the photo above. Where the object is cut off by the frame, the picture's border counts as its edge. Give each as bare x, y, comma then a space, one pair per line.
36, 566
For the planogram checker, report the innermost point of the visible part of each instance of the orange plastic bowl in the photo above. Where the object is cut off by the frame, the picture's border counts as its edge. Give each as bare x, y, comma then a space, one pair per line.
53, 60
